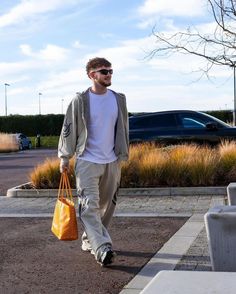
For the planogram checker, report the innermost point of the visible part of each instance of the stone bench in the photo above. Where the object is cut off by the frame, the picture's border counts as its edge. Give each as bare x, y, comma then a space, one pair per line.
231, 193
220, 222
186, 282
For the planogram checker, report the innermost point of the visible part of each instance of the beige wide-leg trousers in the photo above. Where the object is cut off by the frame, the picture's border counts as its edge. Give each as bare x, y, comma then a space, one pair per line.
97, 186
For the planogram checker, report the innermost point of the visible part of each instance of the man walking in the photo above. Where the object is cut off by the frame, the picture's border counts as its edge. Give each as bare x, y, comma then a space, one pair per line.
95, 129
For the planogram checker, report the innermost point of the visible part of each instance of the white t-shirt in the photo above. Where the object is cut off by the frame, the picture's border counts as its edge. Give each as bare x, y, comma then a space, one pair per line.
101, 128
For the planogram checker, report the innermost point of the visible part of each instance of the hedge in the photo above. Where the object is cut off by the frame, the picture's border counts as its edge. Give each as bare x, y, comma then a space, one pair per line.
31, 125
50, 124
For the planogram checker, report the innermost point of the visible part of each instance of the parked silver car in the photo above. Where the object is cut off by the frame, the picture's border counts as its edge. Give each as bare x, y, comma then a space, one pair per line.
23, 141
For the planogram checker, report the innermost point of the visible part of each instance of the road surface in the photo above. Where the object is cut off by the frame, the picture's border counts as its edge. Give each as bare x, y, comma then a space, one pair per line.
16, 167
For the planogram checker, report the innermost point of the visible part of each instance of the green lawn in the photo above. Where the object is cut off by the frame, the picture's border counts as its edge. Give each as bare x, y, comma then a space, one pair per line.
46, 141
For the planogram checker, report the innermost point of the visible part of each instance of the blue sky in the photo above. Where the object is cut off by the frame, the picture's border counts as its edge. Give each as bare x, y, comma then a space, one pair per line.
45, 46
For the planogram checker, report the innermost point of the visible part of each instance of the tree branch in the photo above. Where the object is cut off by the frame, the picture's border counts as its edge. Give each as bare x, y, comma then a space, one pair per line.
217, 48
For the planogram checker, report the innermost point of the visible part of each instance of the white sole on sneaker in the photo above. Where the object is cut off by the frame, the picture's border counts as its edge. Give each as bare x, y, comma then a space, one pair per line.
87, 249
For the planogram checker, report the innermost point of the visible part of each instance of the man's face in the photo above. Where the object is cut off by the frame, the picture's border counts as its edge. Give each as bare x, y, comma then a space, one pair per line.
102, 76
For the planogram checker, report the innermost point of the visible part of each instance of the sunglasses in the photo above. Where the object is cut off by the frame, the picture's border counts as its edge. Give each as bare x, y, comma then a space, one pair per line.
105, 71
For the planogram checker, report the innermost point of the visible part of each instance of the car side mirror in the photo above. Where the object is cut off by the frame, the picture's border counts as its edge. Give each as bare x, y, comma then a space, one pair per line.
211, 126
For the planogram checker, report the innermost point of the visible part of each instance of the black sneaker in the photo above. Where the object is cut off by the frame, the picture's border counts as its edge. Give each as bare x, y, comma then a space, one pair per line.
107, 257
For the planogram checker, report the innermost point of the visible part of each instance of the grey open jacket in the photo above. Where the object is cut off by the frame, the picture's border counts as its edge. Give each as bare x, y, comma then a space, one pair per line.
74, 132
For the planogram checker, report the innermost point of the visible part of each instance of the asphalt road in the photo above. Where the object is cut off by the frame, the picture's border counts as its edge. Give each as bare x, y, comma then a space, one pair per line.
16, 167
34, 261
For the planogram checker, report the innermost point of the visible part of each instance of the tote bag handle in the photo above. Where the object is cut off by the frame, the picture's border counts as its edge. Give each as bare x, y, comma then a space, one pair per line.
64, 187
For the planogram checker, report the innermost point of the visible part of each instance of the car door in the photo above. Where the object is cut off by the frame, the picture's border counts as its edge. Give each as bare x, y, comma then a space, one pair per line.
156, 127
24, 141
194, 129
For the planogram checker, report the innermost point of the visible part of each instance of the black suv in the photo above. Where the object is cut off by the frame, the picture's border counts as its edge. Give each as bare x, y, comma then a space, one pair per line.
178, 126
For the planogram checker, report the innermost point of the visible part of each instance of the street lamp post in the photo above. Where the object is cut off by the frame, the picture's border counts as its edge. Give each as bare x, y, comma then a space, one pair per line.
62, 100
6, 85
39, 103
234, 112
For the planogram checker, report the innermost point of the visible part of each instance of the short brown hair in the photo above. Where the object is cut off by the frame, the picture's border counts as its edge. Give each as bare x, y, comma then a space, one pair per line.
96, 62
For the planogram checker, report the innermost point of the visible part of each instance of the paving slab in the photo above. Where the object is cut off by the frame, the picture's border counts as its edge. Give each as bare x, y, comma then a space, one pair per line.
159, 205
197, 256
186, 282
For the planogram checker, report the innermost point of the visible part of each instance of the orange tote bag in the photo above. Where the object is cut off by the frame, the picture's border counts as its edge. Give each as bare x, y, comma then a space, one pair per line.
64, 224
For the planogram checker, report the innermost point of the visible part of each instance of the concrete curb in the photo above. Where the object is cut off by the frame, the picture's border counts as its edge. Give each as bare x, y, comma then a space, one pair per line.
173, 191
132, 192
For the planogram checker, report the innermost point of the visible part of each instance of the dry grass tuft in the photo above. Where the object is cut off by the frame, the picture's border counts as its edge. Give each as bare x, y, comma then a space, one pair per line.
227, 152
202, 166
227, 167
8, 143
47, 175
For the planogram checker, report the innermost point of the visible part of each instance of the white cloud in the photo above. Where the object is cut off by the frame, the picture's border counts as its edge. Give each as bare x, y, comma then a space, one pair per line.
63, 79
129, 54
27, 9
49, 53
52, 52
45, 61
17, 91
26, 49
77, 44
187, 8
149, 22
107, 36
11, 68
169, 97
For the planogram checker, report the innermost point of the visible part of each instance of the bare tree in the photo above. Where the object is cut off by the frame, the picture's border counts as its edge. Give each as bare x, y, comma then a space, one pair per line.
217, 47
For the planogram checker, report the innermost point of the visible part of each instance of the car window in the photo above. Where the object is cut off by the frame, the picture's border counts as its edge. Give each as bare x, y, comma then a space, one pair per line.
22, 136
189, 120
192, 123
153, 121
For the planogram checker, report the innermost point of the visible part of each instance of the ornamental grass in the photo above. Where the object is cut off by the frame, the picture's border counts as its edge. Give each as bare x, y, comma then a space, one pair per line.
8, 143
186, 165
174, 166
47, 175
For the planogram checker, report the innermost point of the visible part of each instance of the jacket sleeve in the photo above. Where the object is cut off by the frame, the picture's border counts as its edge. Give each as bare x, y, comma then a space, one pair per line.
122, 131
68, 137
126, 125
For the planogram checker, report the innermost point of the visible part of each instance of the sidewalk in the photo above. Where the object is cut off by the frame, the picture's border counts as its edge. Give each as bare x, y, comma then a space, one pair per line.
186, 250
127, 205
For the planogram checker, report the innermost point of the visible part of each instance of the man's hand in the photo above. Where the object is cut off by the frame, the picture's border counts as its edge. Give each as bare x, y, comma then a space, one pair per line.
64, 166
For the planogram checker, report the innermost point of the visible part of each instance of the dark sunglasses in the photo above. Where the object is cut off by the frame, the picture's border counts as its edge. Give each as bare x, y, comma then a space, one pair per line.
105, 71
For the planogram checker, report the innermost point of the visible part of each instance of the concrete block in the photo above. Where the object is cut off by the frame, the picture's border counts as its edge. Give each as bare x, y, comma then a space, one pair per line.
231, 193
185, 191
220, 222
18, 191
186, 282
130, 291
